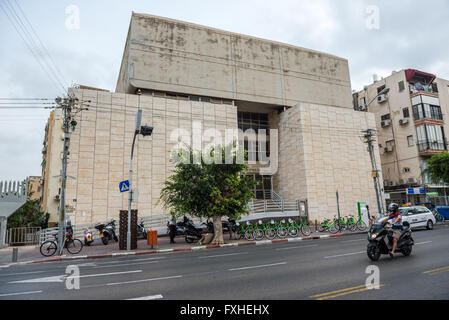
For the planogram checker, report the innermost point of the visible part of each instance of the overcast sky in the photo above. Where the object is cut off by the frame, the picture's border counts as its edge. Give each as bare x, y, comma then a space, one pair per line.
408, 34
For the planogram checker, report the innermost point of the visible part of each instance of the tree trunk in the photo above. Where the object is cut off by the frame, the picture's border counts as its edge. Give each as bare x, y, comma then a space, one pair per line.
218, 231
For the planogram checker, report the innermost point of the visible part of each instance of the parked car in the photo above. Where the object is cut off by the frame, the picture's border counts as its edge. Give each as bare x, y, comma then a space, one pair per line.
418, 217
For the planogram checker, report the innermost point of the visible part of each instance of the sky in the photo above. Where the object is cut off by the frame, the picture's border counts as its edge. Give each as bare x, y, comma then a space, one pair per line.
85, 40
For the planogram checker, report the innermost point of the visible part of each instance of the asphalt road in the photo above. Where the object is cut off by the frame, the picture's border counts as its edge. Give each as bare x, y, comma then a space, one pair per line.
320, 269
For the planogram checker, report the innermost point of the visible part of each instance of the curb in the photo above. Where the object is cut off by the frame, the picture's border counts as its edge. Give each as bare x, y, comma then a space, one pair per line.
156, 251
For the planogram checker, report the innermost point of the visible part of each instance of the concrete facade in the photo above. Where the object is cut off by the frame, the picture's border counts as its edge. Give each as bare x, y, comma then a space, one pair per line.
197, 78
174, 56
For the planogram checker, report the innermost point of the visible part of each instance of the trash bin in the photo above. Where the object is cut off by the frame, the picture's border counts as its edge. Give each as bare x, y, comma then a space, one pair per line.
152, 238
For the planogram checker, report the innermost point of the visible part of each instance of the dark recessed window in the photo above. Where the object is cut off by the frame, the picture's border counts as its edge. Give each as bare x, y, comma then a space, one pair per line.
406, 112
401, 86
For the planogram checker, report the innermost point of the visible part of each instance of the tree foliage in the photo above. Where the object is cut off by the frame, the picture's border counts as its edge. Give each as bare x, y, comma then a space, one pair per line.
29, 215
209, 187
438, 168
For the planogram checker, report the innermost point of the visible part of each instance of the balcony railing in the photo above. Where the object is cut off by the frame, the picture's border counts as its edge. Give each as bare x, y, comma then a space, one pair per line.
432, 146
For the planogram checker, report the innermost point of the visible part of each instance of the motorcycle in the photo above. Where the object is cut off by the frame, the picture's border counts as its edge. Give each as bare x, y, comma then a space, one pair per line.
141, 230
192, 234
378, 245
88, 238
107, 232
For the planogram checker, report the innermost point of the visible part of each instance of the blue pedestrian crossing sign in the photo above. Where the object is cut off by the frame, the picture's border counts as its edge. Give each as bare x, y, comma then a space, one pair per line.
124, 186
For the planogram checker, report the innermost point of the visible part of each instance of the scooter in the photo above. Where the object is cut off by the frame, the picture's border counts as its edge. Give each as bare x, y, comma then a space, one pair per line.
107, 232
141, 230
88, 238
378, 244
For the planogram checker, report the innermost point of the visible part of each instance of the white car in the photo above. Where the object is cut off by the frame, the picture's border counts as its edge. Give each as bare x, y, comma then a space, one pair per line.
418, 217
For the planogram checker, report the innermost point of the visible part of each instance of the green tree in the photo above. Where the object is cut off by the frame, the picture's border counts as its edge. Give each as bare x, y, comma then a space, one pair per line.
29, 215
438, 168
211, 186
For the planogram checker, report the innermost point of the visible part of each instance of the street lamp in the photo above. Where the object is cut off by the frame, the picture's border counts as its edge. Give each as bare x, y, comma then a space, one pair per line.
144, 131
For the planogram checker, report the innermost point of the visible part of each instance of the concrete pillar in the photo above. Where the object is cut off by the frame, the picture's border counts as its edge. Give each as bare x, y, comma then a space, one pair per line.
3, 221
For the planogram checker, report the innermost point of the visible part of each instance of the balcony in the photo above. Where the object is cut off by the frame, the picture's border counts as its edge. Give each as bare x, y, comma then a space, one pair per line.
431, 148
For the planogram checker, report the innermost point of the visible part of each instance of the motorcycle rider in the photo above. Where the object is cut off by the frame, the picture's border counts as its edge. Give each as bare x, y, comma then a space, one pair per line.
397, 227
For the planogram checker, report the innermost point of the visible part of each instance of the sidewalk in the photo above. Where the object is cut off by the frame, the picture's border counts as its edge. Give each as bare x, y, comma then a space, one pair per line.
31, 254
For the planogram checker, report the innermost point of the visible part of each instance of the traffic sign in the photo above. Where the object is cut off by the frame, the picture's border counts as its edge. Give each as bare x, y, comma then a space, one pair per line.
124, 186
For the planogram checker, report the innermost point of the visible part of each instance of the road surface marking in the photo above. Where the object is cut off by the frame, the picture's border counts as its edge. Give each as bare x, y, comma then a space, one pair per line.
342, 292
19, 293
297, 247
344, 255
124, 265
144, 280
436, 271
133, 260
62, 277
158, 296
261, 266
23, 273
423, 242
222, 255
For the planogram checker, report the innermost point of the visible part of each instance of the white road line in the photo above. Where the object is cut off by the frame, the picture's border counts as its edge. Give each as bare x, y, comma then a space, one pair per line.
144, 280
343, 255
423, 242
62, 277
19, 293
261, 266
222, 255
124, 265
158, 296
133, 260
297, 247
18, 274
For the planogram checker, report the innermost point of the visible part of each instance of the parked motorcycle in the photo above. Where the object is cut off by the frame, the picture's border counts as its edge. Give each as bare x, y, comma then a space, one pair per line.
378, 243
88, 238
107, 232
192, 234
141, 230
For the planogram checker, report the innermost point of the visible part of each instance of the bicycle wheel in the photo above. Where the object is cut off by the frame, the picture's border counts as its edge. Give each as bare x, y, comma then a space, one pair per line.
333, 228
48, 248
305, 229
293, 232
75, 246
249, 235
282, 232
270, 234
259, 234
361, 226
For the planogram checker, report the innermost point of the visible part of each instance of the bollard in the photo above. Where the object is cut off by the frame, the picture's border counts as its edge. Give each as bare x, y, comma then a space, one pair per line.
15, 254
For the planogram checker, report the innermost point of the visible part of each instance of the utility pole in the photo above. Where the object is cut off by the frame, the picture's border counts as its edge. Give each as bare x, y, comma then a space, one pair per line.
67, 105
370, 138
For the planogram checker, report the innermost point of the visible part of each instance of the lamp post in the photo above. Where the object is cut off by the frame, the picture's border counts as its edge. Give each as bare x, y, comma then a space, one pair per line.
144, 131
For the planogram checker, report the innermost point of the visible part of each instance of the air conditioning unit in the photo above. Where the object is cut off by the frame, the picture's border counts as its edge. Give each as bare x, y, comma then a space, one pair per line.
382, 98
388, 149
385, 123
402, 182
57, 198
403, 122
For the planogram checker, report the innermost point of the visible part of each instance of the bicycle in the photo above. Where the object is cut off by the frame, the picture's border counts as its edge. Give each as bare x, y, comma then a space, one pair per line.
439, 217
73, 246
301, 227
327, 226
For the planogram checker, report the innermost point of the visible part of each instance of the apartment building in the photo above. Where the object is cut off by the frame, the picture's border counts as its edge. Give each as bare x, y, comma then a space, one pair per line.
190, 78
411, 109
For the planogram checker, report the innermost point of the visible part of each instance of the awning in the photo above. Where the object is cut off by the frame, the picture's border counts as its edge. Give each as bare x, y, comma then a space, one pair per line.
423, 77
